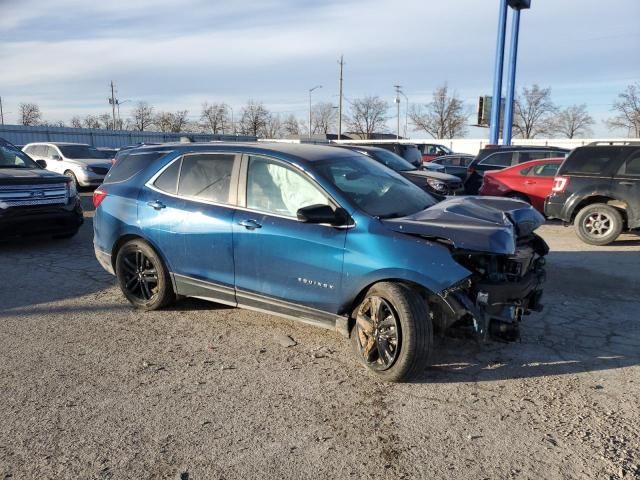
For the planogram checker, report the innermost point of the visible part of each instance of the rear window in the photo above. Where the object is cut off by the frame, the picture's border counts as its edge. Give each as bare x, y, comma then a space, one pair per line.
596, 160
131, 164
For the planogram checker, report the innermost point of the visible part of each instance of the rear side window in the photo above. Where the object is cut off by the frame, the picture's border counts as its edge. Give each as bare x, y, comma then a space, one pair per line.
502, 159
597, 160
632, 165
206, 177
545, 170
528, 156
131, 164
168, 180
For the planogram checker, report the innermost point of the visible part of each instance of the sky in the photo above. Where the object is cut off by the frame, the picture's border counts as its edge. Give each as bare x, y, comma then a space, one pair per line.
62, 54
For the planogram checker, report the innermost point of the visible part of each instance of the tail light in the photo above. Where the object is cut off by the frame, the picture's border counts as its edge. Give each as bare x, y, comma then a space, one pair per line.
559, 184
98, 196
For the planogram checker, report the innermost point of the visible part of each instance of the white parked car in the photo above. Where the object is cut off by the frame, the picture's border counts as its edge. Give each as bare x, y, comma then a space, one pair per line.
84, 164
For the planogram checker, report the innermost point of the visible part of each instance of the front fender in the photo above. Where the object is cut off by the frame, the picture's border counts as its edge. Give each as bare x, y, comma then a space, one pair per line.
374, 253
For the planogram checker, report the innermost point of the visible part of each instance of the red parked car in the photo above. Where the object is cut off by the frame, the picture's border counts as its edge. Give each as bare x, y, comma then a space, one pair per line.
529, 181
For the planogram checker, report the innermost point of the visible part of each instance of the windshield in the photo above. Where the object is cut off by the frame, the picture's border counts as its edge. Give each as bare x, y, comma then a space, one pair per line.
11, 157
80, 151
375, 189
391, 160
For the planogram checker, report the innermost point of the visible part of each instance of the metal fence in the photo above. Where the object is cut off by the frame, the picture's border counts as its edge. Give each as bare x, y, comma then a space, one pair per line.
21, 135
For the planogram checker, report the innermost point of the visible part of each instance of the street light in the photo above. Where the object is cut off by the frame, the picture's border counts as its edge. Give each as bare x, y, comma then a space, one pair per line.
118, 103
311, 90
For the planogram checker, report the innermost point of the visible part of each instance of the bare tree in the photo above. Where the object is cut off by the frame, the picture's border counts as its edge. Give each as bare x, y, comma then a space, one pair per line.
573, 121
174, 122
291, 125
54, 123
443, 117
76, 122
627, 109
142, 116
323, 117
91, 121
30, 114
272, 127
253, 118
106, 121
534, 112
215, 117
367, 115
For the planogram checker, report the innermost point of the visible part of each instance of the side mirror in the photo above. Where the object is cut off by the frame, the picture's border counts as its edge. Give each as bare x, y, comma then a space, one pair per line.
322, 214
42, 163
56, 157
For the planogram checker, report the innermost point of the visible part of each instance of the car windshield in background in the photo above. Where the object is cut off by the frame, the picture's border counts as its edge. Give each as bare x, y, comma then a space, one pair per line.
80, 151
375, 189
13, 158
391, 160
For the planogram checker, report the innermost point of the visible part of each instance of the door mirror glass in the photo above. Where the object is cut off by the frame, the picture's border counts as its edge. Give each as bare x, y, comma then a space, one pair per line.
42, 163
56, 157
317, 214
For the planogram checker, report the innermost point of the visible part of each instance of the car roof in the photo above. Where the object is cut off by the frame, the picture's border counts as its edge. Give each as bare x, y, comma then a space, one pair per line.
364, 148
299, 151
454, 155
523, 147
61, 144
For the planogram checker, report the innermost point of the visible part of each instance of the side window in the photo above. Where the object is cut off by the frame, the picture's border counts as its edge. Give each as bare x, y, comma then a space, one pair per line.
525, 171
545, 170
168, 180
632, 165
51, 151
206, 177
274, 188
502, 159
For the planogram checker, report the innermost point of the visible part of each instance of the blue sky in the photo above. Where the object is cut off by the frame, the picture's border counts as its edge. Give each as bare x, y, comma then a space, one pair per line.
62, 54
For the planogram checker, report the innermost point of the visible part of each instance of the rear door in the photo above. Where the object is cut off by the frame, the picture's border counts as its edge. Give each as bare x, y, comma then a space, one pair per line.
189, 210
538, 183
627, 187
278, 258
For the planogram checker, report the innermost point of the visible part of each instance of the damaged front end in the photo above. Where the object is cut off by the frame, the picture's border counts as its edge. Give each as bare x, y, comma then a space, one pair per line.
494, 239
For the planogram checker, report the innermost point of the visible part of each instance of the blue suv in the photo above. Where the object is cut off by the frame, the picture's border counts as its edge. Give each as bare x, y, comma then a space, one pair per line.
321, 235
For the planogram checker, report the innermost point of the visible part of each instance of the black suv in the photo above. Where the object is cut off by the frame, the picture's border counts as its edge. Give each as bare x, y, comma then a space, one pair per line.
503, 156
597, 188
35, 201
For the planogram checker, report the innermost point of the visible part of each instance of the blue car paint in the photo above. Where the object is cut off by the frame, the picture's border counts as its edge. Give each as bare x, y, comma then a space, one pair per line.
317, 266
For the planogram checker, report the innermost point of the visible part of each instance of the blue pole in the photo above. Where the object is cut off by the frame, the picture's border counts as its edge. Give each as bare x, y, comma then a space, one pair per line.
511, 78
497, 75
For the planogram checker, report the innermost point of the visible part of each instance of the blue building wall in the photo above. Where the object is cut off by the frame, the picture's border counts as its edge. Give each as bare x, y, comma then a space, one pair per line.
21, 135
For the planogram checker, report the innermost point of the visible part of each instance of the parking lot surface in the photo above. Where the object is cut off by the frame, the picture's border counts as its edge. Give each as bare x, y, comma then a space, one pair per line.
93, 389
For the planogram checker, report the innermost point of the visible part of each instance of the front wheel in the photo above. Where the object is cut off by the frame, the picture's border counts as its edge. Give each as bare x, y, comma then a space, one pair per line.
142, 276
73, 178
598, 224
392, 334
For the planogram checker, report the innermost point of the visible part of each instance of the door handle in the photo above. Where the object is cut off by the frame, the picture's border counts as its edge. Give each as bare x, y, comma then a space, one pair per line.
250, 224
530, 182
156, 204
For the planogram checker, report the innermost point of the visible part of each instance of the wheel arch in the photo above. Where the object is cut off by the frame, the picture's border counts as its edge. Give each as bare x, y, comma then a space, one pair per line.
134, 236
610, 200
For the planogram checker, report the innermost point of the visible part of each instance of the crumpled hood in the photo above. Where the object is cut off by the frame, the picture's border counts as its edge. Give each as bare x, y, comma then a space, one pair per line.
485, 224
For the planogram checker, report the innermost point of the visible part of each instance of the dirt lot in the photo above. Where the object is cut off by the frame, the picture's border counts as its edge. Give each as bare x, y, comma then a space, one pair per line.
92, 389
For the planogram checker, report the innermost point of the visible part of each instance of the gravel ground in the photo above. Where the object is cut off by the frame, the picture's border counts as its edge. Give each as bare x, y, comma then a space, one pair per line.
93, 389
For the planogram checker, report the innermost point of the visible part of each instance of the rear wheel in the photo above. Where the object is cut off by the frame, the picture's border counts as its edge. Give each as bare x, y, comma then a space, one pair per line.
142, 276
392, 335
598, 224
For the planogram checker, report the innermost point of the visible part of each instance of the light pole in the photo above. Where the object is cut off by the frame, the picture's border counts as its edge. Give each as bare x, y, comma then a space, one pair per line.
406, 112
118, 103
397, 102
310, 91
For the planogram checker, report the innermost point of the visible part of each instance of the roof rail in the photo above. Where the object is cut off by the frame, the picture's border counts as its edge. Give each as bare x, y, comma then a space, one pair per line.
614, 142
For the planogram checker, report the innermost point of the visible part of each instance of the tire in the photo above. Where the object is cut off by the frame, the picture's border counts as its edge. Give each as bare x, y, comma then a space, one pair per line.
598, 224
518, 196
142, 276
73, 178
412, 327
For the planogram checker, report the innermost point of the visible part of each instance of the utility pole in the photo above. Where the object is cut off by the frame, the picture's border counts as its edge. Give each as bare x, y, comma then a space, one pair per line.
341, 63
1, 113
397, 102
112, 101
311, 90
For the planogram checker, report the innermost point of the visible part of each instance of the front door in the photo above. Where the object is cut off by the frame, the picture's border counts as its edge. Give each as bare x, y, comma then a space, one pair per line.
279, 260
